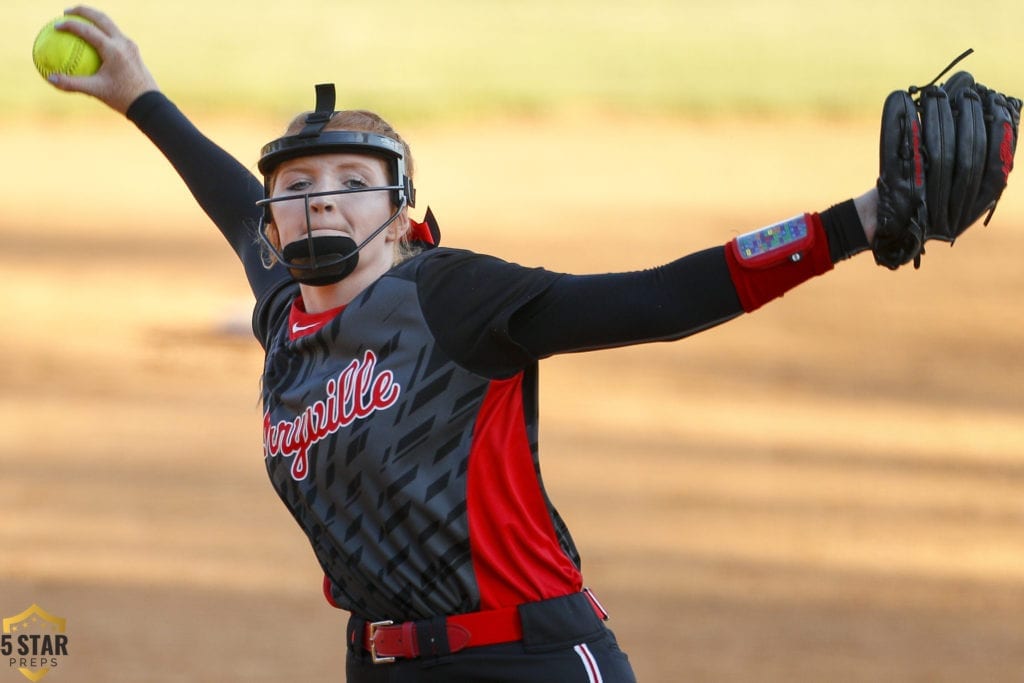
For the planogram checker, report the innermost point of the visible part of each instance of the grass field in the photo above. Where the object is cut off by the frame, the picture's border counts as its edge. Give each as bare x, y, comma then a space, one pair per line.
827, 490
449, 58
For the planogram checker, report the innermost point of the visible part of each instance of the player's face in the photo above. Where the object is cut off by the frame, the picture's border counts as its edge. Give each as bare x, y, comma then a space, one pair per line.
356, 215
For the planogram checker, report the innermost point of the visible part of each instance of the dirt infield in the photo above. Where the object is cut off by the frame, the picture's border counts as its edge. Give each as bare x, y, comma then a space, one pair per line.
829, 489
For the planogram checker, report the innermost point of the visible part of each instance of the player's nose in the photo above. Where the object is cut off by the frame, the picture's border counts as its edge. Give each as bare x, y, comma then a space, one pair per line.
323, 203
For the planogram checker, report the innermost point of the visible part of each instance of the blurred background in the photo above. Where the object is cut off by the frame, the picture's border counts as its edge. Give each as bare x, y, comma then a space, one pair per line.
829, 489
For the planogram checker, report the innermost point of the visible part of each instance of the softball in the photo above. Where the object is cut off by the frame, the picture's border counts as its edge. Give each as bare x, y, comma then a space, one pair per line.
63, 53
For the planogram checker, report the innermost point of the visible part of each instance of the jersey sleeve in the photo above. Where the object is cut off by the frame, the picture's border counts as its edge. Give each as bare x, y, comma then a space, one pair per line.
468, 299
586, 312
225, 189
496, 317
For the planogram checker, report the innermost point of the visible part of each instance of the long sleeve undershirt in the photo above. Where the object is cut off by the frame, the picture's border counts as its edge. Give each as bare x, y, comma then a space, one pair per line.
576, 312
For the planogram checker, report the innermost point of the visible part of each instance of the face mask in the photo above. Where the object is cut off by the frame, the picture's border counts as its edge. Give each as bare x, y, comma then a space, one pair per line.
322, 259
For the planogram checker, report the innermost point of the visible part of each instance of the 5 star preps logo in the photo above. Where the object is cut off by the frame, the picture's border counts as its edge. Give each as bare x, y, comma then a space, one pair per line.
34, 642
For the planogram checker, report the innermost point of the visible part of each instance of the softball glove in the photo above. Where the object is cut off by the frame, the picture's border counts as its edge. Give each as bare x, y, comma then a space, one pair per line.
946, 152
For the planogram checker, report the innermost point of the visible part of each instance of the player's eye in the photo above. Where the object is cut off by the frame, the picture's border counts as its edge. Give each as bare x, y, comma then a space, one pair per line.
355, 184
298, 185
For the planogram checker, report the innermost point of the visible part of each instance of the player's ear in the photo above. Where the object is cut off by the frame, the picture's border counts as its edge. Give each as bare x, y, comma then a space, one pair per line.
272, 234
273, 237
399, 228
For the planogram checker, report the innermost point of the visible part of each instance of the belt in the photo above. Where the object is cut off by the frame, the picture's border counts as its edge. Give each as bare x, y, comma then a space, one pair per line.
387, 641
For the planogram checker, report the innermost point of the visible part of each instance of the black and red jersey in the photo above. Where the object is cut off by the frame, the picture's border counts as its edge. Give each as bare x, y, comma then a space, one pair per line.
410, 459
402, 435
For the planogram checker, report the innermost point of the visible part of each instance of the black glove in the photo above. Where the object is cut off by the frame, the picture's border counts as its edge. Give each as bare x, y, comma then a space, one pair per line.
944, 160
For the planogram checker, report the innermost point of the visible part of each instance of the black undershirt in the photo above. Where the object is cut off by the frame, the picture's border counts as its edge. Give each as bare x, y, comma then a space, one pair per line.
570, 313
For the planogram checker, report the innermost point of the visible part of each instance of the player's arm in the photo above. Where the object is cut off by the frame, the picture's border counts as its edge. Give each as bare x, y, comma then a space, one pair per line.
495, 317
223, 187
695, 292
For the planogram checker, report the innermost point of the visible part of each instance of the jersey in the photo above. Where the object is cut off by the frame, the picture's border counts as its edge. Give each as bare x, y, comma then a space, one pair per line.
411, 463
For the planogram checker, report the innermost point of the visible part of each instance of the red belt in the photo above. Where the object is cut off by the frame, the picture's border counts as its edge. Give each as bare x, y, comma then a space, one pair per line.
386, 640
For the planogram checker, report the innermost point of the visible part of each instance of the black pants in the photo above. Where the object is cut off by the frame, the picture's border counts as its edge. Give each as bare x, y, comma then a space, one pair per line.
562, 643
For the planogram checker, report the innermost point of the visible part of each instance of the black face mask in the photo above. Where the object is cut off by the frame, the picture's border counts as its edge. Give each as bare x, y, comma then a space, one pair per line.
323, 259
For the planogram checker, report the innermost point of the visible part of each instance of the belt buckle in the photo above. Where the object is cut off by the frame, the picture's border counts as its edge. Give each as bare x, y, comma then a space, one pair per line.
377, 659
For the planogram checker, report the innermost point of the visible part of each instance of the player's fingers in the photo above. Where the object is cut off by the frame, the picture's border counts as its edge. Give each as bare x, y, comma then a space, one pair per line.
101, 20
116, 89
98, 85
113, 49
122, 75
121, 78
82, 84
95, 37
87, 32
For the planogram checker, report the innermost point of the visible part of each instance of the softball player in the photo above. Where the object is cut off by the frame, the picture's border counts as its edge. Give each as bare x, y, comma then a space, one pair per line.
400, 381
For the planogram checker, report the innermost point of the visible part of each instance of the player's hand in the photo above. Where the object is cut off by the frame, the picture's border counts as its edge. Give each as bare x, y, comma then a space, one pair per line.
122, 76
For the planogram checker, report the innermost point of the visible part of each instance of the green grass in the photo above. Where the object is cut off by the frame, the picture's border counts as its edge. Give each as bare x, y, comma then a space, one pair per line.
438, 59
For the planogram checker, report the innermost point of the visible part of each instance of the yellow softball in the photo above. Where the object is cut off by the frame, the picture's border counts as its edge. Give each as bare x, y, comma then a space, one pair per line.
63, 53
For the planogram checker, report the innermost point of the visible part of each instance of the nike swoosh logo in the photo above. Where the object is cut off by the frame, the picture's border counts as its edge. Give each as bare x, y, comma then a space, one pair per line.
299, 329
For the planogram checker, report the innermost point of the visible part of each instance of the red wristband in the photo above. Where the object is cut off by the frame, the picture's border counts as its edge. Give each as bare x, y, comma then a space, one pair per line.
767, 263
